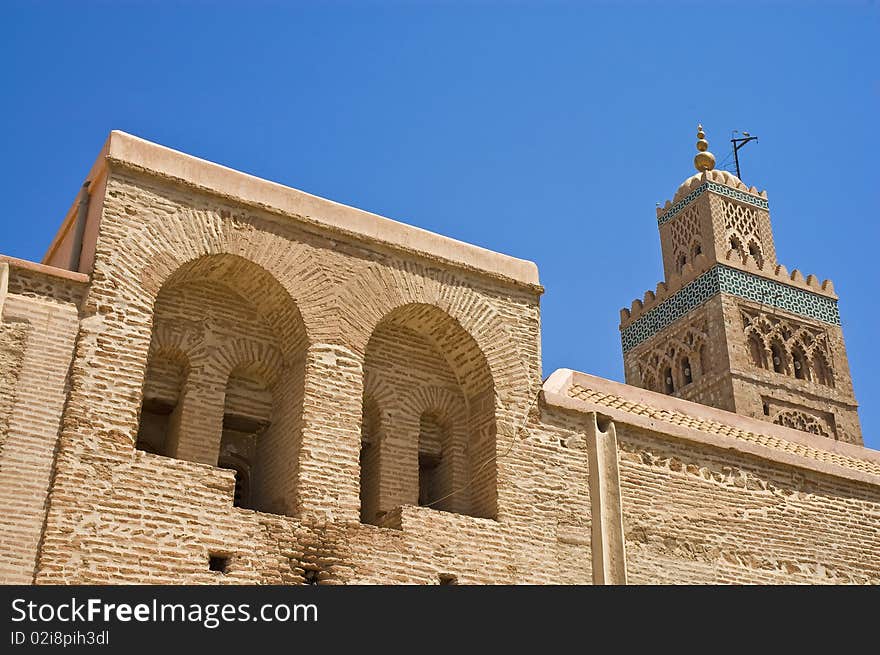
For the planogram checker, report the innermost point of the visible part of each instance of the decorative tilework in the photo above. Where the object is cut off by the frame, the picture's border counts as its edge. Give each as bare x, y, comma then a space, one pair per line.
723, 279
747, 198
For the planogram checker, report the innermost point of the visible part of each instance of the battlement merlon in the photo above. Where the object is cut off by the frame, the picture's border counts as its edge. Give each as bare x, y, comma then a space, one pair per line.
130, 152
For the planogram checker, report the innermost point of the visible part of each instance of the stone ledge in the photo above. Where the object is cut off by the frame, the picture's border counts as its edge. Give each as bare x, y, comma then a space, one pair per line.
51, 271
865, 463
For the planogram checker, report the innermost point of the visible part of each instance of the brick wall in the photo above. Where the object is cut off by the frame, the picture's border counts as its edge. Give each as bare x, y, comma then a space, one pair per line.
701, 515
39, 324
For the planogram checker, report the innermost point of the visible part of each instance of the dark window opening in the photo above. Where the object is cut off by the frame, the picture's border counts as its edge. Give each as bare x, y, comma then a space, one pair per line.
154, 424
239, 495
218, 563
778, 361
800, 365
686, 371
448, 578
755, 252
310, 577
432, 435
668, 383
766, 409
428, 464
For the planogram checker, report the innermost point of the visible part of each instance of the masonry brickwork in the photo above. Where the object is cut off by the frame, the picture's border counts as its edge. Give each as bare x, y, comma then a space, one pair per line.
317, 394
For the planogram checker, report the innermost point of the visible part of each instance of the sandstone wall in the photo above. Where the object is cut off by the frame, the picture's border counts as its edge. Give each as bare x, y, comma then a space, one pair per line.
37, 332
700, 515
119, 514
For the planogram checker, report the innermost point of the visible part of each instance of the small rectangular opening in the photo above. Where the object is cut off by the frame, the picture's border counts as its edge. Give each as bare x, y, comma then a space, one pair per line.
218, 563
448, 578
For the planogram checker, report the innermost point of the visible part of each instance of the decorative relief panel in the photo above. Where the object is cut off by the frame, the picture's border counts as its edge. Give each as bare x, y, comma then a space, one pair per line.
787, 347
685, 233
717, 188
680, 360
798, 420
741, 230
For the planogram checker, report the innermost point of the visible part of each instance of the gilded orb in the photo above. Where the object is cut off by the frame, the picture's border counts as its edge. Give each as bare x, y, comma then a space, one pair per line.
704, 161
702, 145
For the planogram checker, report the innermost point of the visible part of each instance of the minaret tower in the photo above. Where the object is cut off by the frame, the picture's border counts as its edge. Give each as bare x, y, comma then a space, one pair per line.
729, 326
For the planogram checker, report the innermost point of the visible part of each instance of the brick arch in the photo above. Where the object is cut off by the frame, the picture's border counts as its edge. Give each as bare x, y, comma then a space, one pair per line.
433, 399
170, 344
252, 356
378, 291
179, 242
249, 322
428, 360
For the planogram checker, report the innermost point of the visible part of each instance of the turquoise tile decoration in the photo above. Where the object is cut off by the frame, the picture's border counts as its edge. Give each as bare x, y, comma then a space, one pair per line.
724, 279
740, 196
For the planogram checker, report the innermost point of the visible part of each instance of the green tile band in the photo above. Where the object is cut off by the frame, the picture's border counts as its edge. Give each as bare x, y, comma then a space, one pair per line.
723, 279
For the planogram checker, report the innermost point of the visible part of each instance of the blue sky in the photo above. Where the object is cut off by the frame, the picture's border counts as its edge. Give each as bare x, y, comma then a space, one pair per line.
547, 131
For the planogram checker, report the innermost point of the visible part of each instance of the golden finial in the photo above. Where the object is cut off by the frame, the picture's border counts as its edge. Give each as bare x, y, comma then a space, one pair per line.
705, 160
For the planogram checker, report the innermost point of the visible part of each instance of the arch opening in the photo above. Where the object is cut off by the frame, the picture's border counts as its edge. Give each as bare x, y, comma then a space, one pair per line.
427, 373
239, 405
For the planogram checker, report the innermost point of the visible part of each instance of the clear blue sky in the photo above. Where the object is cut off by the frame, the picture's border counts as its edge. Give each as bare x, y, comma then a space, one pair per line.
544, 130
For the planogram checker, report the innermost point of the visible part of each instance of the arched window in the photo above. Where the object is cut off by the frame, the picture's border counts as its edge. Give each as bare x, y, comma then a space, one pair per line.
242, 397
799, 363
247, 415
668, 382
736, 245
779, 358
755, 252
682, 260
439, 448
756, 351
166, 376
241, 494
686, 373
433, 484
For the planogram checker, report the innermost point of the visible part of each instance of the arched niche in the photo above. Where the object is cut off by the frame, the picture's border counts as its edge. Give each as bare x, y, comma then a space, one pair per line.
440, 394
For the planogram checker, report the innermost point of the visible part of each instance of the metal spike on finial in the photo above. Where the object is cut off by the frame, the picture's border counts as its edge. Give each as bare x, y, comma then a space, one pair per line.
705, 160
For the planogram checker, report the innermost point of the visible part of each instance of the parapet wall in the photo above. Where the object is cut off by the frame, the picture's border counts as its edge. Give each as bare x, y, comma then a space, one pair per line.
743, 501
